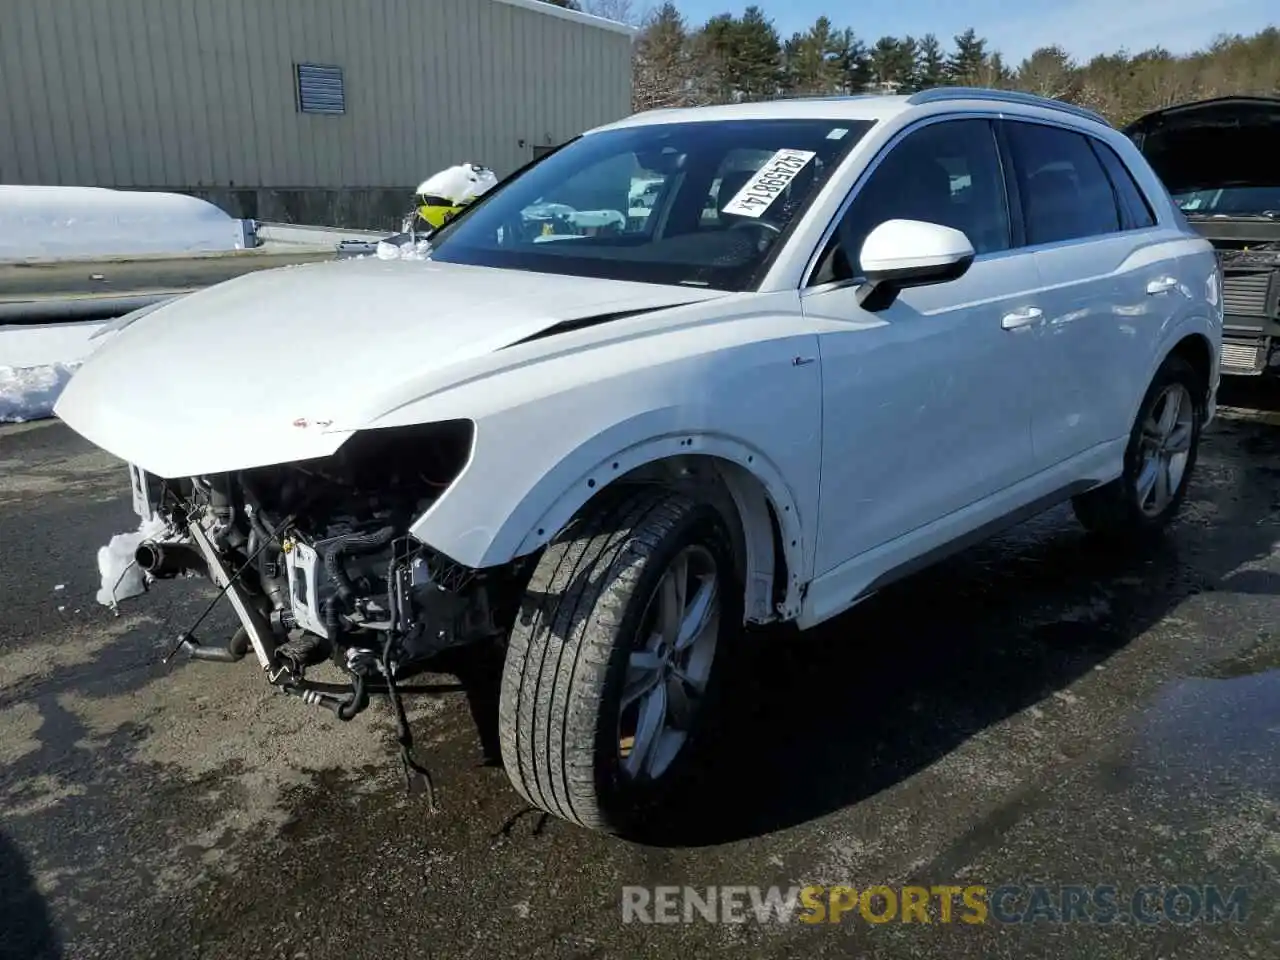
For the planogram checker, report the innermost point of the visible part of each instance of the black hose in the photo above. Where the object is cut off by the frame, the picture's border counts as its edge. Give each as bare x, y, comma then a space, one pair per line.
343, 690
163, 560
352, 544
255, 521
233, 652
358, 700
404, 733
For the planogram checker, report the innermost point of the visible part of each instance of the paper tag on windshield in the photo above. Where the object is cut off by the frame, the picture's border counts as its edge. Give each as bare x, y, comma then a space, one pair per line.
767, 184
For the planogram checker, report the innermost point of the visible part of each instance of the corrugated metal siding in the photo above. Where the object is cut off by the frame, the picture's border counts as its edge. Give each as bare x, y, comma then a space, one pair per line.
202, 93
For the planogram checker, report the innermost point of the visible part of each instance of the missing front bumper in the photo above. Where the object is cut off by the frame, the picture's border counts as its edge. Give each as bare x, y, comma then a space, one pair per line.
260, 636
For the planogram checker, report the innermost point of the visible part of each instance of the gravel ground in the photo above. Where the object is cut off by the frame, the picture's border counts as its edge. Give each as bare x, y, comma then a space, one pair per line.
1038, 710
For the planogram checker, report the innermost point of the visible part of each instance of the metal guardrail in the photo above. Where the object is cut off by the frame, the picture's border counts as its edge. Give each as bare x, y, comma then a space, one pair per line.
42, 310
36, 291
44, 291
292, 234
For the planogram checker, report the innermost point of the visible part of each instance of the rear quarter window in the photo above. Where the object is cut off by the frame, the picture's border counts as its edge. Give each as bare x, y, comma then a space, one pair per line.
1135, 211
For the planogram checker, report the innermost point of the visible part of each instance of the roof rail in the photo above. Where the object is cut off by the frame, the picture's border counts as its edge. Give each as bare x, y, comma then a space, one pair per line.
939, 94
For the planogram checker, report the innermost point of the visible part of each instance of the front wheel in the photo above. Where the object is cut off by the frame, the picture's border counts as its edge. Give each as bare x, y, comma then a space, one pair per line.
614, 662
1158, 462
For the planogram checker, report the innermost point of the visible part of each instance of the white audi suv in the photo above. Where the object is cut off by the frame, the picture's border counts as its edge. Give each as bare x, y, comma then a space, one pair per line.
848, 336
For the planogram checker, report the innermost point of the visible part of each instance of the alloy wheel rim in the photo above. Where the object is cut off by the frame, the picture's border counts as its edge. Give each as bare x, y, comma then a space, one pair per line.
670, 664
1164, 449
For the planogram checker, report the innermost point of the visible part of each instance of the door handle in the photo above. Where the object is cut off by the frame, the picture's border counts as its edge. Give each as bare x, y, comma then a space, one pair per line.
1161, 285
1021, 318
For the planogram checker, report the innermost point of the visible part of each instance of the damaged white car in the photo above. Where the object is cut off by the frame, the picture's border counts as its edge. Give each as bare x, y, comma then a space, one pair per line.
848, 337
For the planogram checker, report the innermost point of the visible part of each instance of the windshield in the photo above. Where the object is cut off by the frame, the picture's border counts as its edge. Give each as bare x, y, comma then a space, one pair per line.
1230, 201
703, 204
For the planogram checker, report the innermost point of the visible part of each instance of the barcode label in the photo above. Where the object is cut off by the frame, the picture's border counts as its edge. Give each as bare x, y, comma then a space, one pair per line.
769, 182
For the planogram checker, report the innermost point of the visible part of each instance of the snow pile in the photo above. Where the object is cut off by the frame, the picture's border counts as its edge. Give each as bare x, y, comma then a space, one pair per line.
35, 344
74, 222
29, 393
390, 249
121, 576
36, 362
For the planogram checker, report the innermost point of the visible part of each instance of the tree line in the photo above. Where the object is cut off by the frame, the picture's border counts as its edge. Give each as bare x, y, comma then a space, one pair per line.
733, 58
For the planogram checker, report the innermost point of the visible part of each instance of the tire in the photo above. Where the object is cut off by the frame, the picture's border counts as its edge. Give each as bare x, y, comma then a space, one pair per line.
1127, 507
583, 634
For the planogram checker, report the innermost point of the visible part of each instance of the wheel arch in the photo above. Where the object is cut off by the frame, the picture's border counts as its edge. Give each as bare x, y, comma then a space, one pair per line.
1196, 339
751, 493
1198, 351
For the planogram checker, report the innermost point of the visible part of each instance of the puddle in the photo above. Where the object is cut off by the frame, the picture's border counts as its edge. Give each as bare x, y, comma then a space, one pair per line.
1220, 733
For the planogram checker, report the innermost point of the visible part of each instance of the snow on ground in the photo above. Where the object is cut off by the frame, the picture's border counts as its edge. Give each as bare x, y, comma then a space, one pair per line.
35, 344
401, 247
38, 222
36, 361
121, 576
29, 393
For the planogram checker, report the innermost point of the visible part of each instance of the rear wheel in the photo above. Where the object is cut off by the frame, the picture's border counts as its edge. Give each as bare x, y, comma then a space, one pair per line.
614, 663
1159, 459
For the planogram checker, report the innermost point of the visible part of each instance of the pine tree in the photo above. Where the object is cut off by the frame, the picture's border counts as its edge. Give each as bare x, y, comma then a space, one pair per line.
757, 56
713, 51
1048, 72
931, 63
811, 61
854, 63
964, 67
893, 65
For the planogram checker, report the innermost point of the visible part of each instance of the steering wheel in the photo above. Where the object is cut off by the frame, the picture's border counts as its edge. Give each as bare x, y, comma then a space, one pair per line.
756, 222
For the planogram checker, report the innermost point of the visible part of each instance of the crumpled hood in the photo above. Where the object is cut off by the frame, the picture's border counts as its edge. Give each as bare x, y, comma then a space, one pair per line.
281, 365
1212, 143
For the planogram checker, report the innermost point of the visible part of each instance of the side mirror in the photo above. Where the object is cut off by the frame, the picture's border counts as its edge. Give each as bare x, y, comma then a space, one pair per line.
909, 253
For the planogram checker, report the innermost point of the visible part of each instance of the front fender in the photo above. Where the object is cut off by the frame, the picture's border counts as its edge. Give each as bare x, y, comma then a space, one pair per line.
536, 462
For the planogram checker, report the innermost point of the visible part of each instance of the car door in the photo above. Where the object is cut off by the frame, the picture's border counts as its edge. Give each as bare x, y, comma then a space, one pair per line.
1103, 300
924, 402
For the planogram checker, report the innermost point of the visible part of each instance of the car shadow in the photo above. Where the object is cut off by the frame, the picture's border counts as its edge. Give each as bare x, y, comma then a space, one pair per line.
814, 722
1260, 394
27, 930
817, 721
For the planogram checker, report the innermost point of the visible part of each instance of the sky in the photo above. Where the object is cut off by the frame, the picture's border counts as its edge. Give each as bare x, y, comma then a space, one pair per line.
1083, 27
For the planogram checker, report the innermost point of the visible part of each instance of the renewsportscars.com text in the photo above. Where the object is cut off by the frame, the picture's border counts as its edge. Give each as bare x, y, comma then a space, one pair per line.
1178, 904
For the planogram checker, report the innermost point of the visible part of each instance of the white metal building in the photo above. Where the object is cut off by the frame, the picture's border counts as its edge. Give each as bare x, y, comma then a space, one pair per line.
293, 109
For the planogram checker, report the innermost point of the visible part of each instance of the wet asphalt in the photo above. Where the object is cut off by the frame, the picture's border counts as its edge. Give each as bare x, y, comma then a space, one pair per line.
1040, 710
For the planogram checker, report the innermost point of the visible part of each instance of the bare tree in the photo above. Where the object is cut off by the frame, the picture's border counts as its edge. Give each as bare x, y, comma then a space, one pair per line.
661, 69
622, 11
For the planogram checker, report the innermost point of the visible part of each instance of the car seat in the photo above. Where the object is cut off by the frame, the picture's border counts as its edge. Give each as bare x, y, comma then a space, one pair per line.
1053, 207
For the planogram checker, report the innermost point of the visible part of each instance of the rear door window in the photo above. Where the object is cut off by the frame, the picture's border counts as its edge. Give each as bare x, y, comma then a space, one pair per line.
1064, 190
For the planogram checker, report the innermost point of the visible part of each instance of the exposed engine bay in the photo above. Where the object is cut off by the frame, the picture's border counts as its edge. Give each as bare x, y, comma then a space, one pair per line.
1250, 260
1242, 255
1217, 159
315, 558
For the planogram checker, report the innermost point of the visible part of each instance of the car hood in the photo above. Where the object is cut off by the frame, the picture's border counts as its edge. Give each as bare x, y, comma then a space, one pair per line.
282, 365
1226, 141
